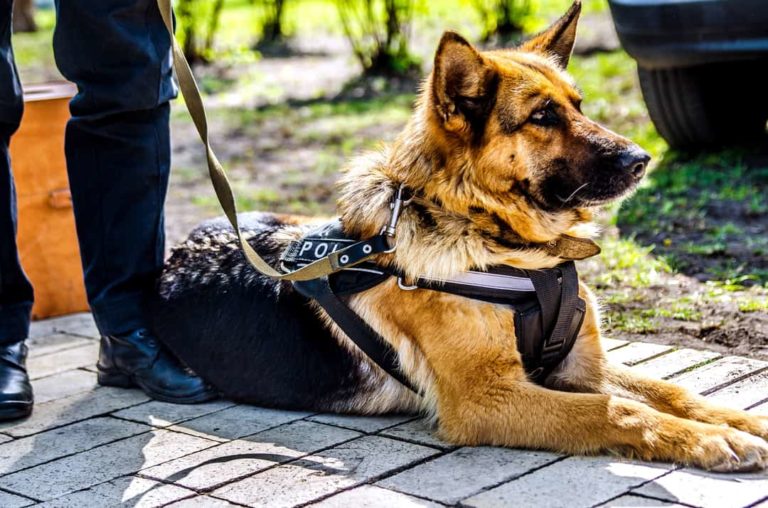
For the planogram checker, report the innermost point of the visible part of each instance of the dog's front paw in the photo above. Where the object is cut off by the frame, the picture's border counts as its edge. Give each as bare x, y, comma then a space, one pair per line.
725, 450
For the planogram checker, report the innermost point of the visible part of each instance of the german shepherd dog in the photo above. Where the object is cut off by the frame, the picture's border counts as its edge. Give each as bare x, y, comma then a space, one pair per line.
502, 163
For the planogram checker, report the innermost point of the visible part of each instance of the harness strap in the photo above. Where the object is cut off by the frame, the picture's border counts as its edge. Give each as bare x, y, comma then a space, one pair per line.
558, 300
548, 292
365, 337
569, 291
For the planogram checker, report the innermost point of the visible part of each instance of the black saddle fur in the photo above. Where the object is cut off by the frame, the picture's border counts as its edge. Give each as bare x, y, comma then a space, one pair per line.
254, 339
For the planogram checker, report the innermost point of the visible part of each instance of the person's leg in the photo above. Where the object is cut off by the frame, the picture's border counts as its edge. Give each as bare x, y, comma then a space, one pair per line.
15, 289
118, 158
117, 148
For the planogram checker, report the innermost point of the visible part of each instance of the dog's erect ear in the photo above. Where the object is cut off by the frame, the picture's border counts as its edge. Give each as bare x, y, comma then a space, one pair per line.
557, 40
463, 84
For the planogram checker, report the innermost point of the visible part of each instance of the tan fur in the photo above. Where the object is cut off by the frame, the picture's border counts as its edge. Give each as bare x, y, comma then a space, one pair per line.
462, 353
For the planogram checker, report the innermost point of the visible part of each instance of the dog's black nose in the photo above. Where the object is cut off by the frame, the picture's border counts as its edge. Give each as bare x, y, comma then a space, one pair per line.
633, 161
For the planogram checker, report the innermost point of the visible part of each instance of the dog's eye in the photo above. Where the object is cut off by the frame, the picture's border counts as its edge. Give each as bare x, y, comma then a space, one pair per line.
544, 116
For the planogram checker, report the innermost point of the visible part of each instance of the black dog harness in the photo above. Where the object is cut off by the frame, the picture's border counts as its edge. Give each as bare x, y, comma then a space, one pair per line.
548, 310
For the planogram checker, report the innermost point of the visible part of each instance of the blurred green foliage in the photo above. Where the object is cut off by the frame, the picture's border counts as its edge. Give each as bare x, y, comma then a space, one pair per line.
503, 21
198, 22
378, 32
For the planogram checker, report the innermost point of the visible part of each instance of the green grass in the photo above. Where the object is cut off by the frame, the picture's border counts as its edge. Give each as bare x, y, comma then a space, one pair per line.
626, 263
684, 309
705, 207
753, 305
630, 322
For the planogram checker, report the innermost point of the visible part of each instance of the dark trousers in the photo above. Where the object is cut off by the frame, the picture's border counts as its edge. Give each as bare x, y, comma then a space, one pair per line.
118, 156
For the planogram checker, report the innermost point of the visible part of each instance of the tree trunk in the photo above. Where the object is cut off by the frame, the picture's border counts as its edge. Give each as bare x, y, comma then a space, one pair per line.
24, 16
273, 24
213, 25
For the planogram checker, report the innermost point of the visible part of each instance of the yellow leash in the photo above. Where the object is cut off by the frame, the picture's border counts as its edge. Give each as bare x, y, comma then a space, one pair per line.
325, 266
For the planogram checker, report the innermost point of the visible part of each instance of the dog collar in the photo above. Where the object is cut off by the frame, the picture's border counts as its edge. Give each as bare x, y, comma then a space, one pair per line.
571, 248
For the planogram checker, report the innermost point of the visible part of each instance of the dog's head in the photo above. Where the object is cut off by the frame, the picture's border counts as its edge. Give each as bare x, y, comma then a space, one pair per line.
508, 124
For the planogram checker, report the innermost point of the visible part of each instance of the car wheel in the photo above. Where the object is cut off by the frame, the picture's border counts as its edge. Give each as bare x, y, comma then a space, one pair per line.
707, 106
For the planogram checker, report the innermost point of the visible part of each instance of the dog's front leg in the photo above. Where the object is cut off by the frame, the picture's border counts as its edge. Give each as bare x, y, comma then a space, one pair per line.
517, 413
672, 399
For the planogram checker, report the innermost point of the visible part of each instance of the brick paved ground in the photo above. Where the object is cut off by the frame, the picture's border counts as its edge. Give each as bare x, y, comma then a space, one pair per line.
87, 446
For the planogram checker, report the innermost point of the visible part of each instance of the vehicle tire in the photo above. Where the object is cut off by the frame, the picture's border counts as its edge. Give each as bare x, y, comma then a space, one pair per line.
707, 106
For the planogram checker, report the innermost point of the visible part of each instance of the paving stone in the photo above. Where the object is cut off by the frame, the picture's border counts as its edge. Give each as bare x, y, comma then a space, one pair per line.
761, 409
102, 464
68, 359
12, 501
237, 421
63, 385
163, 414
201, 502
5, 439
49, 344
636, 352
718, 373
465, 472
130, 491
30, 451
630, 501
611, 344
367, 424
369, 496
243, 457
73, 324
674, 362
706, 490
324, 473
72, 409
417, 431
572, 483
743, 394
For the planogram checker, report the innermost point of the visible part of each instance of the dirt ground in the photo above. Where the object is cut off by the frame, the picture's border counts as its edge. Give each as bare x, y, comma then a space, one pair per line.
679, 310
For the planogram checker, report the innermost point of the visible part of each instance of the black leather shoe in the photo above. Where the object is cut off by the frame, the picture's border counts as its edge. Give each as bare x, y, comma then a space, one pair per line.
138, 360
15, 391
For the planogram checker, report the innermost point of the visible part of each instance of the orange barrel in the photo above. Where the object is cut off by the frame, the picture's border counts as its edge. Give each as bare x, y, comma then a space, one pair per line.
47, 239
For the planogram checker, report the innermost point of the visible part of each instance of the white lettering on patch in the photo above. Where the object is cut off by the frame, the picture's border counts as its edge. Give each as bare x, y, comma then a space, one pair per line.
305, 247
320, 252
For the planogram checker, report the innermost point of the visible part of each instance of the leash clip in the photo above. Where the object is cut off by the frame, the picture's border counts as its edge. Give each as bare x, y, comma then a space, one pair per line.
397, 205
